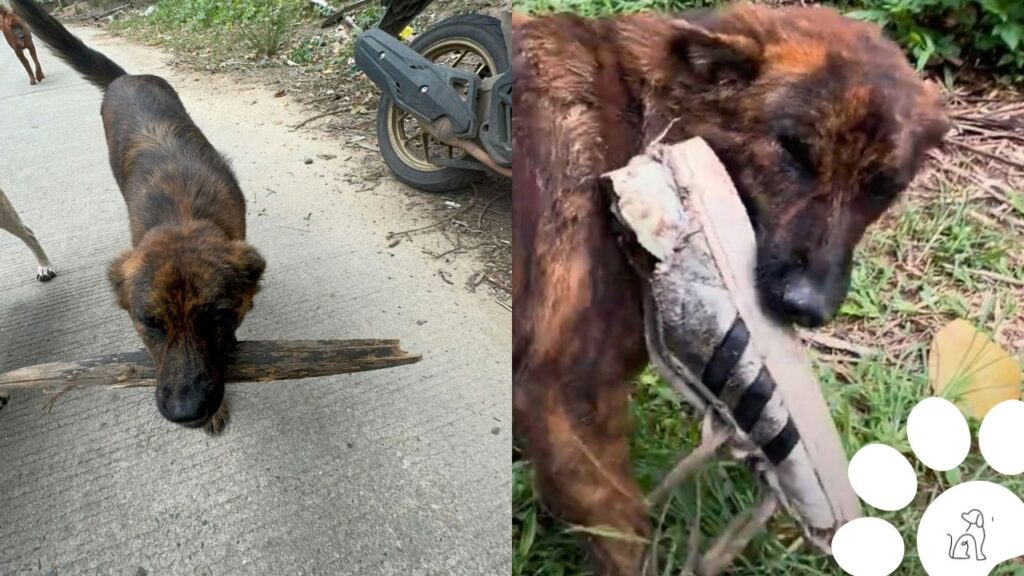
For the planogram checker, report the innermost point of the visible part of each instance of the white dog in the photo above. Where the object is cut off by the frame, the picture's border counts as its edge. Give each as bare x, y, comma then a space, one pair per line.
10, 222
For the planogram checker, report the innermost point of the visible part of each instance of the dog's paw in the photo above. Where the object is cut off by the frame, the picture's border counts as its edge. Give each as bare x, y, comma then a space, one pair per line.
32, 82
219, 422
969, 528
45, 274
40, 77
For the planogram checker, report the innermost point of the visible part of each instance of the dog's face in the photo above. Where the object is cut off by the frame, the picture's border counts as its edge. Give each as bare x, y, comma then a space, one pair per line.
187, 291
821, 123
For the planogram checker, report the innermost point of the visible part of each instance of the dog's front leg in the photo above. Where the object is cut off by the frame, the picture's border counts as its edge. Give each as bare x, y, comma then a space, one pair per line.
579, 341
28, 67
32, 51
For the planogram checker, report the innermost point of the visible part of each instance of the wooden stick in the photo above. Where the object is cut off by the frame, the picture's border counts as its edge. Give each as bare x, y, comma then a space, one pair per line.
736, 537
340, 14
110, 12
694, 461
258, 361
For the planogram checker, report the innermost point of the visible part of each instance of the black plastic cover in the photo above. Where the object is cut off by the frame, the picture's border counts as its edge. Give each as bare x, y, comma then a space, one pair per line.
426, 90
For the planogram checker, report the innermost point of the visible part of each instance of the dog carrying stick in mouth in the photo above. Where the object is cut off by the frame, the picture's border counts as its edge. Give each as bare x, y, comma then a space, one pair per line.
190, 277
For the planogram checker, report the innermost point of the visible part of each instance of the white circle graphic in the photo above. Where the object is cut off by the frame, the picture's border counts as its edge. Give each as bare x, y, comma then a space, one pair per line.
868, 547
1000, 437
938, 433
882, 477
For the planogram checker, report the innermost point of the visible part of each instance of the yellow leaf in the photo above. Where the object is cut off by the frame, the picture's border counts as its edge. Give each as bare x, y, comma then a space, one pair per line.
970, 369
406, 33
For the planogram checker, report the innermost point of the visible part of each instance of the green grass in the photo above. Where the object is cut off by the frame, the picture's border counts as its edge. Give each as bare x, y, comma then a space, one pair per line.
915, 271
219, 29
870, 404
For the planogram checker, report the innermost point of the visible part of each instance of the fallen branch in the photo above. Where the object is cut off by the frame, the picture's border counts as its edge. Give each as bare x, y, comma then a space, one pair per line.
330, 112
110, 12
444, 220
987, 154
340, 14
826, 341
994, 276
254, 361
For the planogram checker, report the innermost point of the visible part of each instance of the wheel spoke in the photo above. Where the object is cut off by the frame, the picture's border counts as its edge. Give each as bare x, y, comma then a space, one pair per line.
459, 60
426, 146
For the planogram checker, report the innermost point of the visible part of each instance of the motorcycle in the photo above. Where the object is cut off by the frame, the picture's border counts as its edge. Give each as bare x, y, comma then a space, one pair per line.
445, 114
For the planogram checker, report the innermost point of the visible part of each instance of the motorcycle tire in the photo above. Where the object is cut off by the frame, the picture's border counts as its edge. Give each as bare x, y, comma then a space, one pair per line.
483, 33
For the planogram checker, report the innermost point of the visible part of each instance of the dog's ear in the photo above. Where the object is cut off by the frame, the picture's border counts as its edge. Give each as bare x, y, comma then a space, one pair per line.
118, 274
713, 56
249, 264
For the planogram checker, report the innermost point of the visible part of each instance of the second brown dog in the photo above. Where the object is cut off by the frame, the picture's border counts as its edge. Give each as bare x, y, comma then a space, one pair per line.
190, 277
20, 39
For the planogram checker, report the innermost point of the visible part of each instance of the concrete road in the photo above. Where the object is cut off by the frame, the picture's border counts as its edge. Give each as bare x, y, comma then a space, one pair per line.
404, 471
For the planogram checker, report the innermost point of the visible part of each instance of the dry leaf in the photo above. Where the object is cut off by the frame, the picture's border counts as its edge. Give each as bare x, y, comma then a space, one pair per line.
966, 366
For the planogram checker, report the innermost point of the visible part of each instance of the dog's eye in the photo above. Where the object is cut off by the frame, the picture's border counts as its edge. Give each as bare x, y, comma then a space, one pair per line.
884, 186
799, 152
151, 323
224, 315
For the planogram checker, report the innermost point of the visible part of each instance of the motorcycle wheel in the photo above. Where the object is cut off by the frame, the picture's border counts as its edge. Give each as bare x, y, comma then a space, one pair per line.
469, 42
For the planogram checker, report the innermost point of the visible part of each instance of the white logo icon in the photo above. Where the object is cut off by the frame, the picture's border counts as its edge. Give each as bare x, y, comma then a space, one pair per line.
967, 530
971, 544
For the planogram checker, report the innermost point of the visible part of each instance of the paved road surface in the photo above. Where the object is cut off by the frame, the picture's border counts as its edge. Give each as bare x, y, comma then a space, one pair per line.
400, 472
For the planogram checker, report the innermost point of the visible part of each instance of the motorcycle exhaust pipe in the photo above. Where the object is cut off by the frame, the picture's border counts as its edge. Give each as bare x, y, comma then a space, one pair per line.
443, 131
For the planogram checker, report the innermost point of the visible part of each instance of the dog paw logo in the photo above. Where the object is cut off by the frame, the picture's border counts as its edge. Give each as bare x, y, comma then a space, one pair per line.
968, 529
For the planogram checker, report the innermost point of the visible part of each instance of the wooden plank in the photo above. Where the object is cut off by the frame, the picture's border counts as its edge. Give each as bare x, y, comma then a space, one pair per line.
252, 361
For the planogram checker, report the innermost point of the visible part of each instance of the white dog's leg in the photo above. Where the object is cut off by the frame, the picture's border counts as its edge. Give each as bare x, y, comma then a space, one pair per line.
45, 272
10, 222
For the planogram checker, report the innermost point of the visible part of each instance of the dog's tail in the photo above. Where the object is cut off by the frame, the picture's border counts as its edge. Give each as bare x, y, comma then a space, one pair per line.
95, 67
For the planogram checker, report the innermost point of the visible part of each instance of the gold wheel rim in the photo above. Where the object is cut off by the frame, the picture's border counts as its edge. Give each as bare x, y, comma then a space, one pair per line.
405, 132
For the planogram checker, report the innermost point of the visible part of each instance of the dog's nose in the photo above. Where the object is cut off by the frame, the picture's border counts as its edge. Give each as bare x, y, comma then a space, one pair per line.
186, 407
805, 303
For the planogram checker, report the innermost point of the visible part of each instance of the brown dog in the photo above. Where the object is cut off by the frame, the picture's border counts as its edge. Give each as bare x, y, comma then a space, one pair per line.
20, 39
190, 277
819, 120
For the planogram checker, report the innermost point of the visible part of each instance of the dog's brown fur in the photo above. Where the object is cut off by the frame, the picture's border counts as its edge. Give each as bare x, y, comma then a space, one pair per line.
19, 38
820, 122
190, 277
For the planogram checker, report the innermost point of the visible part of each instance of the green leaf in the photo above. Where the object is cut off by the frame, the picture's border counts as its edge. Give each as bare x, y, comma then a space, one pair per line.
878, 16
1011, 34
529, 532
923, 56
995, 7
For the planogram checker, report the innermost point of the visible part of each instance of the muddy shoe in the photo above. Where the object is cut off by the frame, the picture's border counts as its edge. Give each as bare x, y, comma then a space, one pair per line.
710, 339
